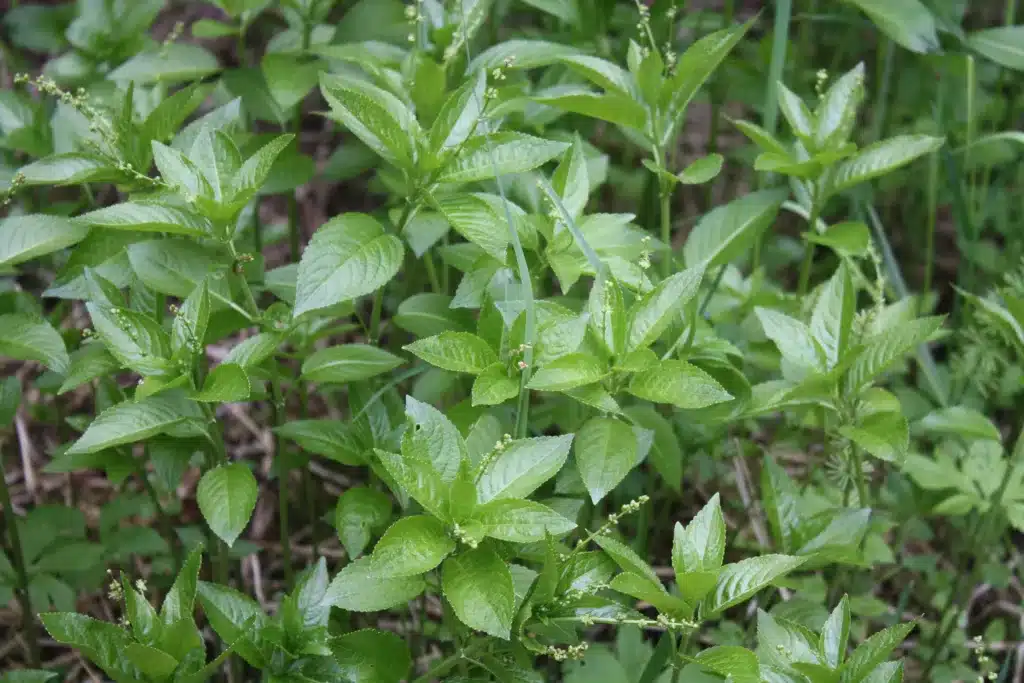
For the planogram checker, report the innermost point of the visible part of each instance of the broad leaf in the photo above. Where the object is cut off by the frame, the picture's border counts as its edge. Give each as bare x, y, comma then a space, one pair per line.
882, 158
727, 231
873, 652
700, 545
371, 656
1003, 45
147, 218
133, 421
226, 383
455, 351
349, 256
521, 467
606, 450
885, 348
348, 363
484, 156
375, 116
411, 546
26, 337
517, 521
655, 311
909, 22
360, 588
478, 585
568, 372
360, 511
227, 496
740, 581
680, 383
23, 238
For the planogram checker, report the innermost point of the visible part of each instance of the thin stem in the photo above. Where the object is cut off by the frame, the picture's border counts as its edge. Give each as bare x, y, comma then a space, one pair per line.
666, 231
933, 200
805, 267
378, 305
28, 628
435, 283
448, 663
283, 471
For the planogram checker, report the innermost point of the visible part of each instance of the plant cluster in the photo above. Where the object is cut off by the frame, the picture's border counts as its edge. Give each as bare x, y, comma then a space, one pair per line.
527, 384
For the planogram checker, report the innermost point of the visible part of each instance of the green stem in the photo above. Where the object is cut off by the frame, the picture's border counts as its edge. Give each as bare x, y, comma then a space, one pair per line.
863, 499
666, 228
375, 314
435, 283
163, 520
805, 267
28, 628
283, 471
933, 201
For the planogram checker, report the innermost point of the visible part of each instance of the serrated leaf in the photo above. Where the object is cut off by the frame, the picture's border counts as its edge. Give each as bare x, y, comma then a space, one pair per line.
612, 107
147, 218
849, 238
254, 171
792, 337
626, 558
378, 118
887, 347
908, 22
680, 383
517, 521
348, 363
226, 383
188, 330
227, 496
102, 642
727, 231
432, 438
606, 451
69, 169
966, 423
455, 352
133, 421
370, 656
735, 663
427, 314
135, 339
503, 153
655, 311
458, 115
884, 435
171, 63
493, 386
607, 314
693, 68
837, 112
478, 585
833, 314
873, 652
349, 256
26, 237
882, 158
835, 634
522, 466
525, 54
411, 546
474, 218
360, 588
26, 337
700, 545
568, 372
739, 581
334, 439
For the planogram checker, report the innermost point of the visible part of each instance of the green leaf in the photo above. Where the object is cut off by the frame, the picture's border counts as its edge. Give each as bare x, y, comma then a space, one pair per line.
612, 107
102, 642
153, 663
432, 438
229, 612
171, 63
427, 314
420, 480
215, 153
69, 169
254, 171
188, 330
702, 170
837, 112
26, 237
835, 634
606, 450
679, 383
26, 337
882, 350
493, 386
458, 115
833, 315
725, 232
525, 54
700, 545
565, 10
348, 363
147, 218
799, 117
473, 217
210, 28
884, 435
734, 663
371, 656
849, 238
655, 311
1004, 45
908, 22
666, 452
253, 351
478, 586
567, 372
411, 546
88, 362
360, 511
740, 581
781, 502
349, 256
626, 559
359, 587
133, 421
522, 466
882, 158
455, 351
10, 398
607, 312
966, 423
226, 383
135, 339
873, 652
693, 68
517, 521
289, 77
642, 588
378, 118
764, 140
227, 496
179, 172
792, 337
176, 266
503, 153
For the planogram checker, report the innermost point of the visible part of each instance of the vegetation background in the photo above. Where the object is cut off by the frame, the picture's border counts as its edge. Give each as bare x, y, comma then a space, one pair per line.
515, 340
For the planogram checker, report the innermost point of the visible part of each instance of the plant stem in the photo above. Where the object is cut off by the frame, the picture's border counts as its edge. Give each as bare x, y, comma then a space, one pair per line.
28, 628
933, 200
805, 267
666, 227
283, 471
163, 521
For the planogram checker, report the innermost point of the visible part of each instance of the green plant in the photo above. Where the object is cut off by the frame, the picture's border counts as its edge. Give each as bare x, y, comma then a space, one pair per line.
372, 304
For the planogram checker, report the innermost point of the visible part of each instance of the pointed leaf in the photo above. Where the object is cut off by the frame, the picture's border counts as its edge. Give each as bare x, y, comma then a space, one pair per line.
455, 351
517, 521
679, 383
606, 450
882, 158
478, 586
725, 232
411, 546
908, 22
740, 581
655, 311
227, 496
522, 466
25, 337
504, 153
26, 237
348, 363
133, 421
360, 588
